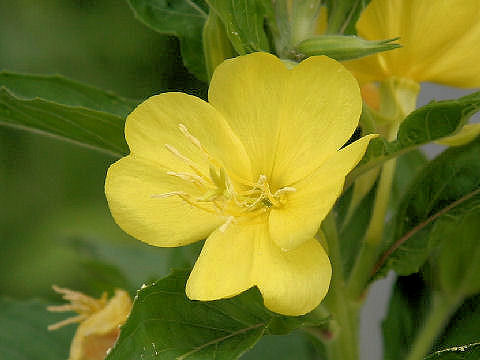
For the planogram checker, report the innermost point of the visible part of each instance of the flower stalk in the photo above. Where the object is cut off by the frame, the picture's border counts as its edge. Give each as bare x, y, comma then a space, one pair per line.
399, 98
345, 344
440, 312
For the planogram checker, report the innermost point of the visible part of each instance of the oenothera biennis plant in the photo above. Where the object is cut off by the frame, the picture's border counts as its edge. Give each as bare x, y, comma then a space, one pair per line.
255, 171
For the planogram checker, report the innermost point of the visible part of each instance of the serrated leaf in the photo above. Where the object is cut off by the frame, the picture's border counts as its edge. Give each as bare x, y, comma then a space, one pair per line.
447, 186
183, 19
164, 324
24, 334
459, 352
426, 124
244, 24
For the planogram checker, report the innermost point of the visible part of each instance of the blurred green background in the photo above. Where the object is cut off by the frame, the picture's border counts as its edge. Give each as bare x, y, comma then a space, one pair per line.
55, 227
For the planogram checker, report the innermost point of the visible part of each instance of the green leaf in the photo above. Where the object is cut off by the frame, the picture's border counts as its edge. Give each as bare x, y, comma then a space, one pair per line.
408, 306
24, 334
244, 24
91, 128
343, 15
343, 48
355, 229
166, 325
463, 328
62, 108
60, 90
282, 347
410, 302
449, 186
458, 261
459, 352
408, 166
217, 47
424, 125
181, 18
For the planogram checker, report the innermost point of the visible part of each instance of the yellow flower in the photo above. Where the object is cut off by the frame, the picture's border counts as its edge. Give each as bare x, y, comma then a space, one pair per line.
99, 319
439, 38
255, 170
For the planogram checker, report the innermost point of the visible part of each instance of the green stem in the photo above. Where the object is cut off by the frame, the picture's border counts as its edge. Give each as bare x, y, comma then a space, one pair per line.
345, 344
398, 99
438, 317
337, 16
370, 249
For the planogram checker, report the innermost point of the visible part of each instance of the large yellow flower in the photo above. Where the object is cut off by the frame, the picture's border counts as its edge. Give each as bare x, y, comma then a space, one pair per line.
440, 40
254, 171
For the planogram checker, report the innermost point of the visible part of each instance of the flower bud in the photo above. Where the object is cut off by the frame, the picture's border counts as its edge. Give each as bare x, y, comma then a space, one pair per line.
343, 47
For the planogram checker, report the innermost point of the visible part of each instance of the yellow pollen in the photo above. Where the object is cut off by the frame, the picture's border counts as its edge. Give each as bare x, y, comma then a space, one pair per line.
241, 199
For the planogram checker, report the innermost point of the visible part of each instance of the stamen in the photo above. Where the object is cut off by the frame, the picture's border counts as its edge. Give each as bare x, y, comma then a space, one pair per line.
71, 320
197, 143
185, 197
219, 194
224, 227
283, 190
190, 137
168, 194
189, 162
84, 305
269, 195
193, 178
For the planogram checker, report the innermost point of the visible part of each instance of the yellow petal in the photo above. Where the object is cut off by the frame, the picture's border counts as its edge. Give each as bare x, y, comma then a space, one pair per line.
292, 282
132, 187
289, 121
99, 332
440, 41
156, 121
224, 267
299, 219
111, 316
464, 136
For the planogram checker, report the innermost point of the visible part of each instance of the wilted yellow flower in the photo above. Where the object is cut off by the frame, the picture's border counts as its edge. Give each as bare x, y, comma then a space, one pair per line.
99, 319
254, 171
439, 38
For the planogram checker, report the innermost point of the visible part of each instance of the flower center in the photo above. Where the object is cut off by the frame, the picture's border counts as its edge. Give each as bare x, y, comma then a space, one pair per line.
224, 194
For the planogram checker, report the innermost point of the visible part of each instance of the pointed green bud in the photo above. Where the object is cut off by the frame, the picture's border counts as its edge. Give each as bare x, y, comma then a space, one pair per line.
341, 47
